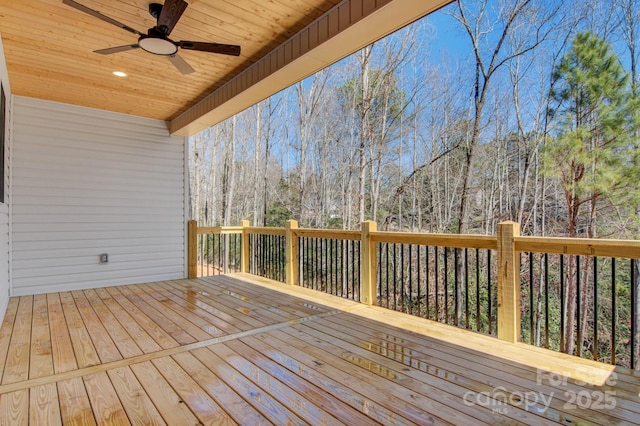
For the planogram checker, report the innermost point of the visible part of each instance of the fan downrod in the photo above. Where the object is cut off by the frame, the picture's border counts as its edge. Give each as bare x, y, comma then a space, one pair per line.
155, 9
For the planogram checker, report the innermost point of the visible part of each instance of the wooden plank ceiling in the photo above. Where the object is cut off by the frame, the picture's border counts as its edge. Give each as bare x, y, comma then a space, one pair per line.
49, 50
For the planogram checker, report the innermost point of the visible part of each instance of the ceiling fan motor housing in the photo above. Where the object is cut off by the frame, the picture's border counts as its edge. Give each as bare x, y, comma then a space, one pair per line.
155, 9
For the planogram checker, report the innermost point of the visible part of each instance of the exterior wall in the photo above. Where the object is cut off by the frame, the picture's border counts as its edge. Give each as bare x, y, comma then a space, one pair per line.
87, 182
4, 207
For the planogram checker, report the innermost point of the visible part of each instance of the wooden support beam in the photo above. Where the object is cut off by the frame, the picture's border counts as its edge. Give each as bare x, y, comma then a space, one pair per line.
347, 27
368, 265
244, 260
508, 282
192, 249
291, 253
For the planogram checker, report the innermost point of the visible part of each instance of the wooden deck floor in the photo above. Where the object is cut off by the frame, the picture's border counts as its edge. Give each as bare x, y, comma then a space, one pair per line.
227, 350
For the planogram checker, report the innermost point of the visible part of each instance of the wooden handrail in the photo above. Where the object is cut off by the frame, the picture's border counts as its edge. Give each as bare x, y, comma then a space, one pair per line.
335, 234
220, 230
440, 240
579, 246
265, 231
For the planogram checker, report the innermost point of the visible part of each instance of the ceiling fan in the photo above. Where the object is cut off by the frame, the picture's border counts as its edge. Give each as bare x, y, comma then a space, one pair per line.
157, 40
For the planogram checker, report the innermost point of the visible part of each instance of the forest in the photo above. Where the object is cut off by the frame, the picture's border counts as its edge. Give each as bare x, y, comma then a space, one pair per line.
482, 112
485, 111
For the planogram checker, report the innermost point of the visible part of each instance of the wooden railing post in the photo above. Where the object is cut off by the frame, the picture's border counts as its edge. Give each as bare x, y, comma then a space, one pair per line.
192, 249
508, 283
291, 272
244, 257
368, 267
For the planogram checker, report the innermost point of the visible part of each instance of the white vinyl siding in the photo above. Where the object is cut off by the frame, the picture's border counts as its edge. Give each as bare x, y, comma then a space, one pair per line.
86, 182
4, 207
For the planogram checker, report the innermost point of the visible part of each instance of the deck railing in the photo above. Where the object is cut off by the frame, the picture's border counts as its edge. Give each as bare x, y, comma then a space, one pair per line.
578, 296
216, 250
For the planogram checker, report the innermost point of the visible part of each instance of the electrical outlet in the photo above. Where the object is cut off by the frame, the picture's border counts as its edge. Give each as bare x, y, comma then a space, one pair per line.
104, 258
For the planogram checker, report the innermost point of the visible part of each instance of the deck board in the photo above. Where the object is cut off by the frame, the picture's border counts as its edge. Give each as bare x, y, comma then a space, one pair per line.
44, 408
16, 367
41, 359
242, 350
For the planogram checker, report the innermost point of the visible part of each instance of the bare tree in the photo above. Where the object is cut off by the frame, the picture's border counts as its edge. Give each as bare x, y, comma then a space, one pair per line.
489, 59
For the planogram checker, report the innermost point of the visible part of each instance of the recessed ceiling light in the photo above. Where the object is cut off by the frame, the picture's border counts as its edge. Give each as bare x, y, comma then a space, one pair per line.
120, 74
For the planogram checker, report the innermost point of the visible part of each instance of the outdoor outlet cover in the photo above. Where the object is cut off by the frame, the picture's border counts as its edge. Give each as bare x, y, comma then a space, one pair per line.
104, 258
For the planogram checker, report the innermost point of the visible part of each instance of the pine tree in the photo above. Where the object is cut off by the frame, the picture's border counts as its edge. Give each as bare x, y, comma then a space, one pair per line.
591, 151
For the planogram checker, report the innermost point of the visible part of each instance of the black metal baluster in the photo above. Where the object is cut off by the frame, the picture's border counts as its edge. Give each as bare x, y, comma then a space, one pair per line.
578, 307
436, 285
426, 281
313, 263
595, 308
352, 263
319, 264
329, 246
446, 285
274, 249
266, 253
220, 258
386, 274
531, 301
335, 266
263, 262
334, 272
490, 301
273, 257
410, 303
283, 259
301, 259
634, 314
212, 240
259, 254
380, 299
419, 281
339, 252
358, 262
234, 252
613, 310
325, 261
478, 290
466, 288
395, 276
208, 252
402, 304
546, 300
456, 257
562, 310
325, 269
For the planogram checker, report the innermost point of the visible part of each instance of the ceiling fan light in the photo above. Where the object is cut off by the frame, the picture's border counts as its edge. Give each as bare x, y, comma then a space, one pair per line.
158, 46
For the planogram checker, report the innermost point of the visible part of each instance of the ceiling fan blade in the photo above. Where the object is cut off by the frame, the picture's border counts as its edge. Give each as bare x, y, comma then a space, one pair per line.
99, 15
180, 64
224, 49
171, 12
116, 49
